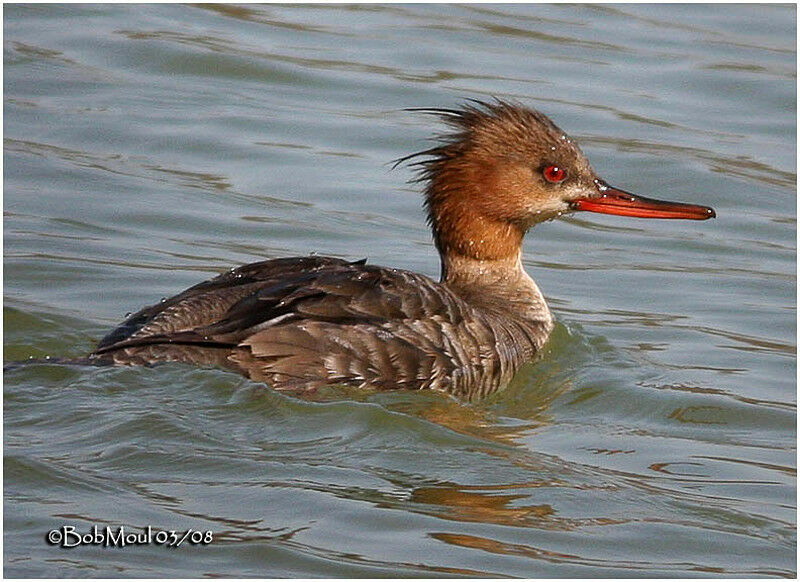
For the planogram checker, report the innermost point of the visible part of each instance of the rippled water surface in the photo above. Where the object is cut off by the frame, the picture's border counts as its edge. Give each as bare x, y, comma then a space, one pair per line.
149, 147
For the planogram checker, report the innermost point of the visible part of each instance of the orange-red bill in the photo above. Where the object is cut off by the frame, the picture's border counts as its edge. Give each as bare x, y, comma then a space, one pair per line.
621, 203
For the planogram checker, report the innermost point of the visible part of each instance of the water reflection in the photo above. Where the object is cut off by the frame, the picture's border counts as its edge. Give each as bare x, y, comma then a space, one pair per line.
465, 503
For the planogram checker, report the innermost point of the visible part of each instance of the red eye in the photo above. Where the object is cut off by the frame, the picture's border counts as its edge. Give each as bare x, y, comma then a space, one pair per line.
554, 174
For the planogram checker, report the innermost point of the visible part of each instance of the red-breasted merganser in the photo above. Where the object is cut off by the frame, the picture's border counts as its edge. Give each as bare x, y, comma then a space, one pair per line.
299, 323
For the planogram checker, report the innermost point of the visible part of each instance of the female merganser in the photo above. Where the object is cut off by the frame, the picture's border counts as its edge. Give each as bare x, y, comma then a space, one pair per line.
300, 323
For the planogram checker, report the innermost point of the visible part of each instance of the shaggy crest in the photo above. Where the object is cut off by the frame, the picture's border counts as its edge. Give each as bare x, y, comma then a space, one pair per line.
480, 134
474, 120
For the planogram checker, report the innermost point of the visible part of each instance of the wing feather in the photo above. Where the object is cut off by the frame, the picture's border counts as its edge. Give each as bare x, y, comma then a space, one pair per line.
307, 320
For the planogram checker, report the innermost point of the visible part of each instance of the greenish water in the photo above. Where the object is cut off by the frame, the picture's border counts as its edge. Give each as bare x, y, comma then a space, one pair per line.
149, 147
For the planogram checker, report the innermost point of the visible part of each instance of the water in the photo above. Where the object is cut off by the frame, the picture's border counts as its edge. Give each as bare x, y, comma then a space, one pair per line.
150, 147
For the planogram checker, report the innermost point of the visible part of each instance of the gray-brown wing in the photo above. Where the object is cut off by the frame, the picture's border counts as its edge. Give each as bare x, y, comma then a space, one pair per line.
382, 327
208, 302
300, 325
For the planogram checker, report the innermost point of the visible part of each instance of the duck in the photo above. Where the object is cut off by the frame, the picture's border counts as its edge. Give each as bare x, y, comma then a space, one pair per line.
301, 323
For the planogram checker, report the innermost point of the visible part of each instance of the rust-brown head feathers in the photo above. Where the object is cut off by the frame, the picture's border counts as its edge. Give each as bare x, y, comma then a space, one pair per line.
484, 179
